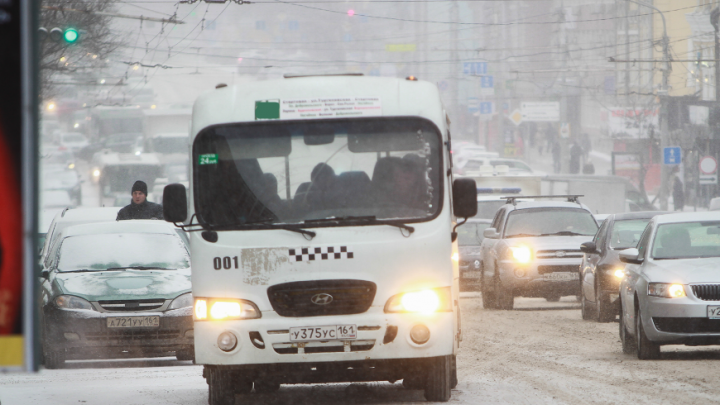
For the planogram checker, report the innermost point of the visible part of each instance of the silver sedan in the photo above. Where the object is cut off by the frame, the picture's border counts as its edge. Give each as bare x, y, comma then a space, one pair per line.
671, 290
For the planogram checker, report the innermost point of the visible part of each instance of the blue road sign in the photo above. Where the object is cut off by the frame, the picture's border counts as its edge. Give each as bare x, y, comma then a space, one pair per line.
486, 107
672, 155
475, 68
473, 104
486, 82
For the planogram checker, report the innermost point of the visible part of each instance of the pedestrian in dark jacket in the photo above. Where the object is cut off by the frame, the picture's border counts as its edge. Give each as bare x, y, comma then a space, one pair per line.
140, 207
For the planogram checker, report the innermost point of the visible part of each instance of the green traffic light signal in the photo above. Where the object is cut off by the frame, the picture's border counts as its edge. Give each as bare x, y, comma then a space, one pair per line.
71, 35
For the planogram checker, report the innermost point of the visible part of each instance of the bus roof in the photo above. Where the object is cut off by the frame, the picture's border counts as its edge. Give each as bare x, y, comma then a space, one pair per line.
318, 97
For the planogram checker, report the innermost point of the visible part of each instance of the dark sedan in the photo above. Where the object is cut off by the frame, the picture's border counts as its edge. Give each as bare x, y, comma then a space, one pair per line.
470, 237
601, 270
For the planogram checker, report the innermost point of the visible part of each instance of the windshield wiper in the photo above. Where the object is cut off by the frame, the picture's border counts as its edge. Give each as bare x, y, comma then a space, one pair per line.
140, 268
91, 271
267, 224
564, 233
372, 219
522, 235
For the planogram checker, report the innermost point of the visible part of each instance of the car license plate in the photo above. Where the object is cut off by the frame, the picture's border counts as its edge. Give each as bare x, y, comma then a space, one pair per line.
713, 311
133, 322
561, 276
332, 332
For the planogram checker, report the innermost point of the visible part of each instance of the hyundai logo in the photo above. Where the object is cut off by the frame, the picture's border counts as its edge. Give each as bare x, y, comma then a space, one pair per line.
321, 299
560, 253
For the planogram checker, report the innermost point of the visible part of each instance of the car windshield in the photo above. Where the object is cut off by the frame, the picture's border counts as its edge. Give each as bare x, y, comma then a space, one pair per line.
626, 234
121, 250
471, 233
687, 240
293, 172
550, 222
488, 208
167, 144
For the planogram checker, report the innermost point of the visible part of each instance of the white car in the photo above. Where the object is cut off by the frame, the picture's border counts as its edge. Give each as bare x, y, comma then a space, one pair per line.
671, 290
475, 166
532, 249
73, 141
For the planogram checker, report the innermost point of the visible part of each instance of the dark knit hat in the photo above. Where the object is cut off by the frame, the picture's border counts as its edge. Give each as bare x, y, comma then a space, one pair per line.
139, 186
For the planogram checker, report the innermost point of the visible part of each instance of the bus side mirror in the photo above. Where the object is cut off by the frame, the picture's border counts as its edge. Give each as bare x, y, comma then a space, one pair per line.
464, 198
174, 203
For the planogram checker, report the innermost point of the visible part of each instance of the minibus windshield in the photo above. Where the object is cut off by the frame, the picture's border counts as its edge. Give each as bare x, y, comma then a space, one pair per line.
317, 173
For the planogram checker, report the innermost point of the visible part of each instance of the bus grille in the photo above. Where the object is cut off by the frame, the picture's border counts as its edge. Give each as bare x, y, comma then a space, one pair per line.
707, 292
324, 347
310, 298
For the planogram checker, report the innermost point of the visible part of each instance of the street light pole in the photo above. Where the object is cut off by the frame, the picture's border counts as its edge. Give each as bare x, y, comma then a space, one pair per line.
663, 94
714, 14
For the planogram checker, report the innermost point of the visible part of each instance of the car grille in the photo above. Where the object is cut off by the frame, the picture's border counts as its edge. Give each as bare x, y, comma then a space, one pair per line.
707, 292
131, 306
132, 335
558, 269
559, 254
348, 297
687, 325
324, 347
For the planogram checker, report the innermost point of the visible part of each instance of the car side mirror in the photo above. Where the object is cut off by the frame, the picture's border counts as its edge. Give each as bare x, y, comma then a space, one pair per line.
491, 233
464, 198
631, 256
45, 273
588, 247
174, 203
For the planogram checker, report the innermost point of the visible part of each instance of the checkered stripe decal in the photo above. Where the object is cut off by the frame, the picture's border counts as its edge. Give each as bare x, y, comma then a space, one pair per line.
320, 253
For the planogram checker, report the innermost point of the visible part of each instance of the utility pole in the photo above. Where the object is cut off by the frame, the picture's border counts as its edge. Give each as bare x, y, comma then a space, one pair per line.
714, 14
663, 95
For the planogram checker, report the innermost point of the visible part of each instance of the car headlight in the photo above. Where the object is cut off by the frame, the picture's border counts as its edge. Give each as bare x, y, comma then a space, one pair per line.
73, 302
424, 301
666, 290
521, 254
182, 301
220, 309
619, 273
96, 173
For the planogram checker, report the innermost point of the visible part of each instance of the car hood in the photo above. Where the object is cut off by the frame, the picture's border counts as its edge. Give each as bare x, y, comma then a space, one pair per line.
686, 271
123, 285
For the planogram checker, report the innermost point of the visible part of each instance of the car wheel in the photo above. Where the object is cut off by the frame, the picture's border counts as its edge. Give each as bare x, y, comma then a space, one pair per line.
552, 297
265, 386
185, 355
439, 379
646, 349
604, 310
628, 342
503, 296
488, 297
585, 307
54, 359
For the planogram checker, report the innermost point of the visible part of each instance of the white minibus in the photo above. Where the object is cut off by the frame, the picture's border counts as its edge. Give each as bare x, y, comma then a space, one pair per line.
321, 216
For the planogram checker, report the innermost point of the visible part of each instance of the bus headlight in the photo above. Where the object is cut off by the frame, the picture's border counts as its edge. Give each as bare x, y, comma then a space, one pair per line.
424, 301
220, 309
521, 254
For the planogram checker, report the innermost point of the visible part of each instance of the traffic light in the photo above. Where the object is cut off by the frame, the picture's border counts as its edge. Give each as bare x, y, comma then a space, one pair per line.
71, 35
68, 35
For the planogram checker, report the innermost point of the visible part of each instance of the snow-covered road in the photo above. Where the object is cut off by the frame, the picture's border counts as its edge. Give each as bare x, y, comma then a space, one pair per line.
540, 353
